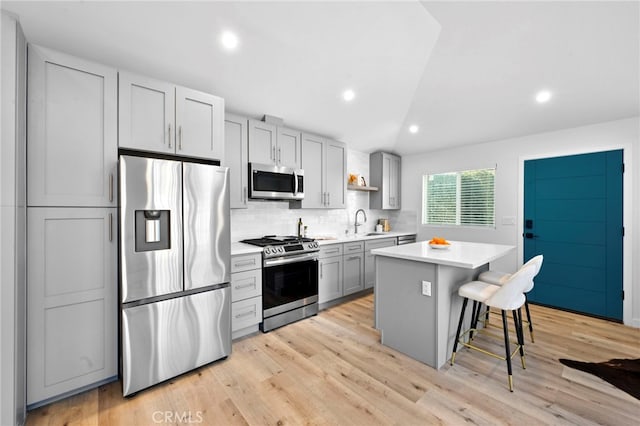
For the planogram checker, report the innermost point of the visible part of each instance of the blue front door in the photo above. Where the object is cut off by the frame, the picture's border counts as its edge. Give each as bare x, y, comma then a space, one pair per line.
573, 216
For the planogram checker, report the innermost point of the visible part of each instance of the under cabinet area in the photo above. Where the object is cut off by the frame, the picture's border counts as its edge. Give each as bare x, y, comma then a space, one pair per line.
246, 294
72, 131
161, 117
324, 162
272, 144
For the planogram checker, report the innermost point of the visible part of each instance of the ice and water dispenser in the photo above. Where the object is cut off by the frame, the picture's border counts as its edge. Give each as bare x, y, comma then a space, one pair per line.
152, 230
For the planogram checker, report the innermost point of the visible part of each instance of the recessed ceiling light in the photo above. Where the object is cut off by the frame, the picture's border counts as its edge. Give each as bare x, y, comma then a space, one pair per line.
543, 96
414, 128
348, 95
229, 40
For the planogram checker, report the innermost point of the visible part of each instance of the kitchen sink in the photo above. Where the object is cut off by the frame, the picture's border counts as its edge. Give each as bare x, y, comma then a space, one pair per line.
375, 233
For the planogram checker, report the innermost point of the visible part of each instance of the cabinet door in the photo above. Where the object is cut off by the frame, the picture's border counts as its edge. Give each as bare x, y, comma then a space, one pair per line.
71, 306
313, 165
262, 142
146, 114
330, 280
353, 273
336, 174
369, 269
235, 157
199, 124
289, 146
394, 182
386, 181
72, 123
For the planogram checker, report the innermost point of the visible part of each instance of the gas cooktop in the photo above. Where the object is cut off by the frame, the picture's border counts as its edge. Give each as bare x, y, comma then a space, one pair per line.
275, 245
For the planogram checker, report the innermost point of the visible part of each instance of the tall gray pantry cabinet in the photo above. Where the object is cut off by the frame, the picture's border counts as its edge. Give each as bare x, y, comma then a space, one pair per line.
71, 213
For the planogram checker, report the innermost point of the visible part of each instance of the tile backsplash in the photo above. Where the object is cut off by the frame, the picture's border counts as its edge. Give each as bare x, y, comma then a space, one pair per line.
275, 217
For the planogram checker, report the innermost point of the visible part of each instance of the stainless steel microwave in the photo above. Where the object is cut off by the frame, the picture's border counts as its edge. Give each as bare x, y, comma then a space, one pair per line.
269, 182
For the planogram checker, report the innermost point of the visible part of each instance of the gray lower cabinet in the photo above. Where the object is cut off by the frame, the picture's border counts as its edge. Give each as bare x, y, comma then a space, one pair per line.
369, 259
341, 270
71, 303
246, 294
353, 278
330, 279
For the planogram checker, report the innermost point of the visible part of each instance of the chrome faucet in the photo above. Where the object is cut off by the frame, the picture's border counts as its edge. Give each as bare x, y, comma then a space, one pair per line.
356, 224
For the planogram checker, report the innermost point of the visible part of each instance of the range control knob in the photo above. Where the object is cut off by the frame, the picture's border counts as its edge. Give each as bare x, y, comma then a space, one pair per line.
281, 249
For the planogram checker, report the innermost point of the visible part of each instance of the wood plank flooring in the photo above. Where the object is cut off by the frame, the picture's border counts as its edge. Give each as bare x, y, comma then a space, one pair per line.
332, 370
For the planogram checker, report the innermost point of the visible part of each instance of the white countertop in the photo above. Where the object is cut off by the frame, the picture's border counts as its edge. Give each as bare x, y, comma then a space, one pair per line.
242, 248
460, 253
361, 237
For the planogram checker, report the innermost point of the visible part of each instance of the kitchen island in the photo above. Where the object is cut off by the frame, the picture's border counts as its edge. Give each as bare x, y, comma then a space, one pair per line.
416, 294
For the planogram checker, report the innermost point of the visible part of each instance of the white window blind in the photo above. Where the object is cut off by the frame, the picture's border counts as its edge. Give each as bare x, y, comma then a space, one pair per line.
459, 198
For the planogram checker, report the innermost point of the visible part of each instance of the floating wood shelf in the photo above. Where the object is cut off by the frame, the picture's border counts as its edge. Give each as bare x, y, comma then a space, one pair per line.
361, 188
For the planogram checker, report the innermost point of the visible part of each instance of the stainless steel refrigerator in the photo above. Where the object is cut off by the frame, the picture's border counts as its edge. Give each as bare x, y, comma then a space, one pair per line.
175, 268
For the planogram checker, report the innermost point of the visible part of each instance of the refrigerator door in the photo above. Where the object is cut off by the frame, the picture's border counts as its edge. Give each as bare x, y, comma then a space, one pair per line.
167, 338
150, 227
207, 238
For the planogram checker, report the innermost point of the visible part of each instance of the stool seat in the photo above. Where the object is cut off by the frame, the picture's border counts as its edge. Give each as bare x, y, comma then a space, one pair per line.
477, 290
494, 277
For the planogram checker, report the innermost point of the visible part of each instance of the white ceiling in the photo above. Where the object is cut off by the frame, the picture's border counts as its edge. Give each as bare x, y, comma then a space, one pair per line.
467, 76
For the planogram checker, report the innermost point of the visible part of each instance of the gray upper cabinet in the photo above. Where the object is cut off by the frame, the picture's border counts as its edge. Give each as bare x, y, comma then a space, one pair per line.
161, 117
271, 144
384, 170
324, 162
235, 157
72, 139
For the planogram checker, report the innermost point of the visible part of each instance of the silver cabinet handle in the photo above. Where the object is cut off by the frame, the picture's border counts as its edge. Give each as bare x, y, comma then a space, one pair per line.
245, 262
279, 155
332, 251
245, 195
273, 154
355, 248
328, 198
240, 287
321, 265
169, 135
353, 258
111, 187
110, 227
246, 314
180, 138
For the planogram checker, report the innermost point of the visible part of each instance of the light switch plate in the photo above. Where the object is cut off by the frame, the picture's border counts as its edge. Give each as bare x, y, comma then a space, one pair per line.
426, 288
508, 220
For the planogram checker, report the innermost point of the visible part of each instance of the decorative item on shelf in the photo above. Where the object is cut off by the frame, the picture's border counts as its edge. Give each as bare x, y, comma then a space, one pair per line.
363, 182
354, 179
386, 227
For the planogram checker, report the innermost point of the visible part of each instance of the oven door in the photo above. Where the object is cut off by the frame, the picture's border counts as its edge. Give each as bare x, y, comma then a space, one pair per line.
289, 283
275, 183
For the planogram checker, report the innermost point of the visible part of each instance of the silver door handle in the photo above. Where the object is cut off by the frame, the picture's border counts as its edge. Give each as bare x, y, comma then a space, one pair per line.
353, 258
246, 314
280, 155
354, 248
328, 198
180, 138
332, 251
240, 287
295, 183
273, 154
245, 195
110, 227
169, 135
321, 265
292, 259
246, 262
111, 187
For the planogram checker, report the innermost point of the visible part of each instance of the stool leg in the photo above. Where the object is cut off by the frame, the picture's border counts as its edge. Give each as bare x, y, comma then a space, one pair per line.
526, 308
517, 321
455, 342
473, 318
507, 349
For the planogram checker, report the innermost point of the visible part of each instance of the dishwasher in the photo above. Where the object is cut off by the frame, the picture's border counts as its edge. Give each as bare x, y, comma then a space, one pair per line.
406, 239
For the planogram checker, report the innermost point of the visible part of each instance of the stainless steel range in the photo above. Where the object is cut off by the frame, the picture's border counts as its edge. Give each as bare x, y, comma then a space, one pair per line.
289, 279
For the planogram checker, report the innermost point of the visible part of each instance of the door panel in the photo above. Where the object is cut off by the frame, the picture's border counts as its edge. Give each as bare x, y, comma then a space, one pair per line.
262, 142
313, 166
235, 157
336, 174
574, 208
199, 121
289, 147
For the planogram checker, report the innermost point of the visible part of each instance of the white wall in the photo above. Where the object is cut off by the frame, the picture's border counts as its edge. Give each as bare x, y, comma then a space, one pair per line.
12, 225
273, 217
509, 156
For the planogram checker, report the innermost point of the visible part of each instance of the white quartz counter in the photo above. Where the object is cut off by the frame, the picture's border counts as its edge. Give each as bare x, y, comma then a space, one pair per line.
362, 237
242, 248
460, 253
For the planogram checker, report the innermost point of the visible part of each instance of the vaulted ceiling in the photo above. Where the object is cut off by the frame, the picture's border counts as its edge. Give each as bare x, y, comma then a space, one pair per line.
464, 72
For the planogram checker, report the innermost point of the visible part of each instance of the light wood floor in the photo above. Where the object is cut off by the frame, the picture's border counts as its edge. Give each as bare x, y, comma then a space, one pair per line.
331, 369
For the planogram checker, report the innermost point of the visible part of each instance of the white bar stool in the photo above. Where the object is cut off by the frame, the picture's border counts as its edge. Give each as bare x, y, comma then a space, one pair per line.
499, 278
508, 297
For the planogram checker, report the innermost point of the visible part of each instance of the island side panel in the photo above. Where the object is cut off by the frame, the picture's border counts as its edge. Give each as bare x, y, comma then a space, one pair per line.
406, 318
449, 279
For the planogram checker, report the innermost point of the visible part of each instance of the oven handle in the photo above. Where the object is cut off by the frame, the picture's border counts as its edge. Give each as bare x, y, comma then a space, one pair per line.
291, 259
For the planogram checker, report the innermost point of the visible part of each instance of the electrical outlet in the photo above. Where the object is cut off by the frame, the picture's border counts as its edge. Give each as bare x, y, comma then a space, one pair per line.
426, 288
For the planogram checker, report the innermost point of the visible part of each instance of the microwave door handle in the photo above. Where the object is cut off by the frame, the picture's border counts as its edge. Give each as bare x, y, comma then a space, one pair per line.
295, 183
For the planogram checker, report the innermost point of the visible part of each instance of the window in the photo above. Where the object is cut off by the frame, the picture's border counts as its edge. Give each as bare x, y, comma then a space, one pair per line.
459, 198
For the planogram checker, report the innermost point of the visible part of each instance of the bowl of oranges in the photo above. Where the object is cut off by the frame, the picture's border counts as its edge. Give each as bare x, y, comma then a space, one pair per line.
439, 243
